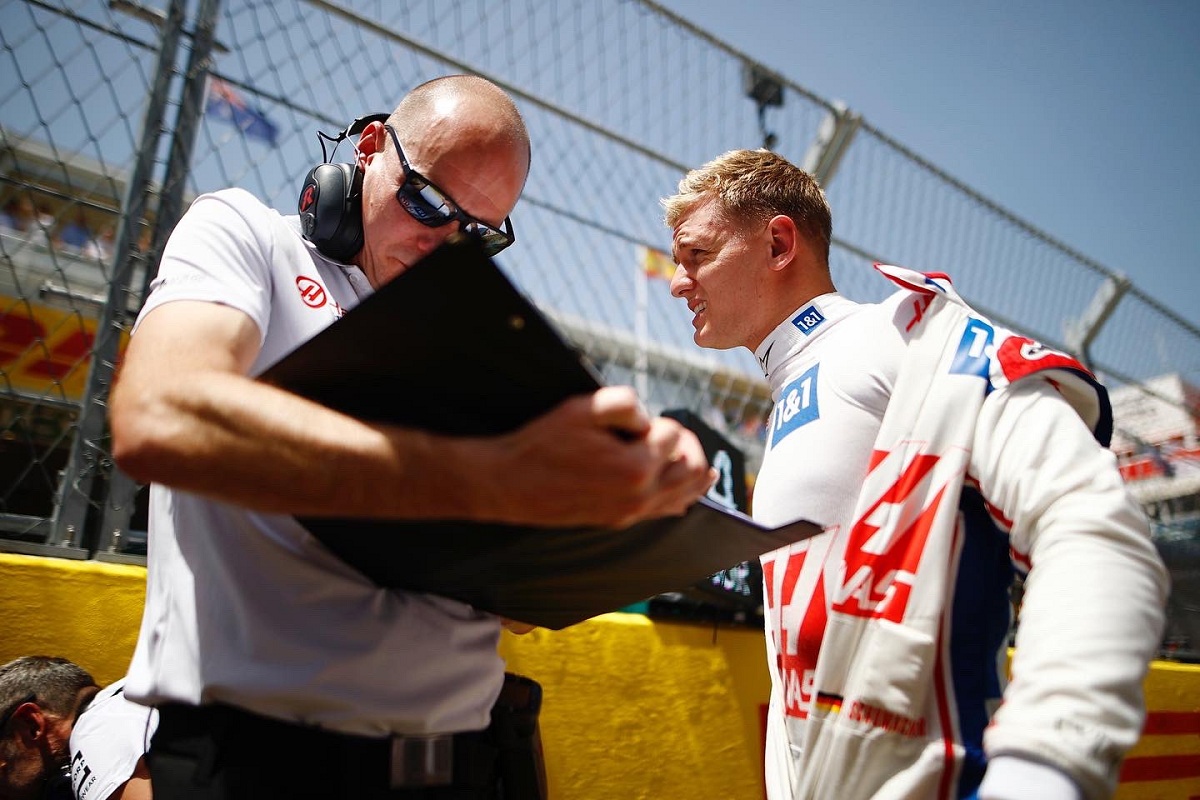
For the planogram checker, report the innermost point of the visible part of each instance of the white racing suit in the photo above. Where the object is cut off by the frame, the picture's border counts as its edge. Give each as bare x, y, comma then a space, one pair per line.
939, 452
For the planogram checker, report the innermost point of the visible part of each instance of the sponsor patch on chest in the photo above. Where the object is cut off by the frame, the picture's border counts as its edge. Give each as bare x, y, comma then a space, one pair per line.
797, 406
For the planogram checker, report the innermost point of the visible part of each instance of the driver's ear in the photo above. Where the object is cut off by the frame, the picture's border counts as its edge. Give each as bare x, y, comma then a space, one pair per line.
784, 236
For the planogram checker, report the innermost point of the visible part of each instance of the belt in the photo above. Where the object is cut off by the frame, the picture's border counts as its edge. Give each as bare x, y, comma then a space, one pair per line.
222, 739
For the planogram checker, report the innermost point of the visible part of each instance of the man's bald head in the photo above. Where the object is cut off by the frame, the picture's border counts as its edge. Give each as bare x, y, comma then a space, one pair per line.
460, 134
480, 112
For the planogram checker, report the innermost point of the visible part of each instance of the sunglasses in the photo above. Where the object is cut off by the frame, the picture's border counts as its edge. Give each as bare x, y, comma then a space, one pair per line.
429, 205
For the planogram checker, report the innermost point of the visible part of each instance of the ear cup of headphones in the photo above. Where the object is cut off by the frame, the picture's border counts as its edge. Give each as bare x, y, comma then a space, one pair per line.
331, 210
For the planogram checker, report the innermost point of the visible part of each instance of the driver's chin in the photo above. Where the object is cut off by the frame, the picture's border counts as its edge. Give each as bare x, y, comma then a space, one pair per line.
708, 338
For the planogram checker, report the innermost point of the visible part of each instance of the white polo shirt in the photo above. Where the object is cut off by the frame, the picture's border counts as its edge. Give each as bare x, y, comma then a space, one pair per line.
107, 741
250, 609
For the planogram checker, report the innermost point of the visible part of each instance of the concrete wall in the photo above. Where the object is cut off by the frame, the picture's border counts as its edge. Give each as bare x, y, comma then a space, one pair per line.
634, 709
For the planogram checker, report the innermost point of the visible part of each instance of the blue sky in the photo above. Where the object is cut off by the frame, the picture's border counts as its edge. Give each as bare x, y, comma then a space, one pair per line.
1082, 116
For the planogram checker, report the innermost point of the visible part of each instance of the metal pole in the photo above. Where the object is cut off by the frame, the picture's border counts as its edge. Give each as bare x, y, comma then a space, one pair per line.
187, 126
122, 494
1081, 332
87, 456
833, 139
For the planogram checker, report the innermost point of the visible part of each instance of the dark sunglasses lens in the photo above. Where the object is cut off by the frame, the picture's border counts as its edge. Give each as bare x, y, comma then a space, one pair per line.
437, 201
419, 208
493, 240
429, 206
493, 246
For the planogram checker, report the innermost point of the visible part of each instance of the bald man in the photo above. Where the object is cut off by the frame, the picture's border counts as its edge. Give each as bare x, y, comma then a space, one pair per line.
278, 670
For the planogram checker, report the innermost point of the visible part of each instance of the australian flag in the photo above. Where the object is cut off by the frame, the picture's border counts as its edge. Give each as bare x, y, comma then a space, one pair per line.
227, 103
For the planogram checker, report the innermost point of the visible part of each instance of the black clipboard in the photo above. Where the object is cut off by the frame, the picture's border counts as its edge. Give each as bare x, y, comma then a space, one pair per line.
451, 346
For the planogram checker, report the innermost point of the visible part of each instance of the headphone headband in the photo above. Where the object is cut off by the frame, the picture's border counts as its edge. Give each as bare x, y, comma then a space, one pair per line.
356, 127
353, 129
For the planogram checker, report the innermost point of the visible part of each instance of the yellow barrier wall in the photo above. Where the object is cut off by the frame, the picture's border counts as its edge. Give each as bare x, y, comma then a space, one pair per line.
87, 611
634, 709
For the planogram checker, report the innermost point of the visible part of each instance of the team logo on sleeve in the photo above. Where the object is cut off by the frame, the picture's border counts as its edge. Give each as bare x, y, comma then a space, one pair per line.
973, 356
1019, 356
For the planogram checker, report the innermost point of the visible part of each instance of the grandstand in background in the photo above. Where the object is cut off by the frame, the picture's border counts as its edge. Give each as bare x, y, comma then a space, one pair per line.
1157, 443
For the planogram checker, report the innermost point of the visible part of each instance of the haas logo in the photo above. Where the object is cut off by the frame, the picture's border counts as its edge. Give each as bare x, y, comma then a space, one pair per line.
887, 542
311, 292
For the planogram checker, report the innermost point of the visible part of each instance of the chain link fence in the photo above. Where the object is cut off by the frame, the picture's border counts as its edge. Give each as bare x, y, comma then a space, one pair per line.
114, 115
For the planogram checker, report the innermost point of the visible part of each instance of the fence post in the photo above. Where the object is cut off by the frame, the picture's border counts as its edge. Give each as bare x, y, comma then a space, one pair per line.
87, 456
1080, 332
122, 490
833, 140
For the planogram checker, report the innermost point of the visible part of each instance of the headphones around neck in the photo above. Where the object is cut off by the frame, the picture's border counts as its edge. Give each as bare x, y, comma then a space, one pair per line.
331, 199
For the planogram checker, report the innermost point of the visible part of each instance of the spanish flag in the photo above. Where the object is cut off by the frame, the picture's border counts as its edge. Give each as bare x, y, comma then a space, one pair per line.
656, 263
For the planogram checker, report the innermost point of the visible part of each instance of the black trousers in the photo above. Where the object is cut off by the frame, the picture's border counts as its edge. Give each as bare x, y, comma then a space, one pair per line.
218, 752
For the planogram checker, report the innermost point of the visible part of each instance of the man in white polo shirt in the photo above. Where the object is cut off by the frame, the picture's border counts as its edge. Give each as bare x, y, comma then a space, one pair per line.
279, 670
108, 747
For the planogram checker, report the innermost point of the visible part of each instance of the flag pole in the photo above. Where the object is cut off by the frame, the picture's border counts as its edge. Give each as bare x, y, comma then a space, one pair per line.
641, 326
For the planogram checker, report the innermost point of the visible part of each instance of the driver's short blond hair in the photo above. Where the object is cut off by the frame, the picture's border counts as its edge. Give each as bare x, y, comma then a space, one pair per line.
753, 186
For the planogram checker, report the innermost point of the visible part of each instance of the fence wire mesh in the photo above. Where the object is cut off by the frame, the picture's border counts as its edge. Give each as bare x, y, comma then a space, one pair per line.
104, 137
